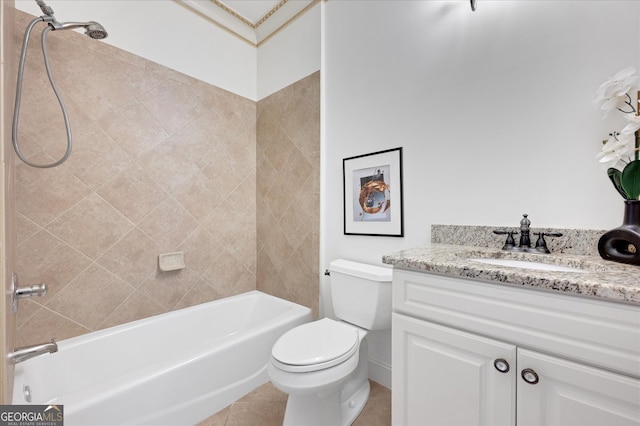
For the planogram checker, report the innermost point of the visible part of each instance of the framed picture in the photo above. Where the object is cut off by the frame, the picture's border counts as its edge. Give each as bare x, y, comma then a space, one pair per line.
373, 194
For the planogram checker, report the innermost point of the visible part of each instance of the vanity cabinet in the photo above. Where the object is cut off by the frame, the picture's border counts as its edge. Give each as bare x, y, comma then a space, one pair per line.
476, 353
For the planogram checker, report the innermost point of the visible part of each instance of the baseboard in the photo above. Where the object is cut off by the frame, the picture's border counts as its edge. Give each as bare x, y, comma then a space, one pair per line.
380, 372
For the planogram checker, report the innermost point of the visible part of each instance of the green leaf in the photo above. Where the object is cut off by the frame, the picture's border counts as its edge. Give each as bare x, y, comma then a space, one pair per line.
631, 180
616, 175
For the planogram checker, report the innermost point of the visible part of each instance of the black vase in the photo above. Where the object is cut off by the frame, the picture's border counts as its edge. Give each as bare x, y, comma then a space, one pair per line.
622, 244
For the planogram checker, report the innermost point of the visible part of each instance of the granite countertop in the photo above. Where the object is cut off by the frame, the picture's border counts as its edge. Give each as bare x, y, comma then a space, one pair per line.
602, 279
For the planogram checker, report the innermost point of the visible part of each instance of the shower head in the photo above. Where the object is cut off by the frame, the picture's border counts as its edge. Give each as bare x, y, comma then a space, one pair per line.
95, 31
92, 28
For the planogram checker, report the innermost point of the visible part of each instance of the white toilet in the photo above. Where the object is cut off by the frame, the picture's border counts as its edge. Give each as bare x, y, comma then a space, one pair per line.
323, 365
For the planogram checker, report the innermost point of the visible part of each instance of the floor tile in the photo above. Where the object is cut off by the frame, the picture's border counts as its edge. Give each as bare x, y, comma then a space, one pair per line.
265, 407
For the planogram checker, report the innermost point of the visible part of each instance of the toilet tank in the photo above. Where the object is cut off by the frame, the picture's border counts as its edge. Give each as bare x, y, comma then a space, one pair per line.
361, 293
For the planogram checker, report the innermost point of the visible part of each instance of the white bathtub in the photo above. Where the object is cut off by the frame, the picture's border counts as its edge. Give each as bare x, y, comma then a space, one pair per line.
172, 369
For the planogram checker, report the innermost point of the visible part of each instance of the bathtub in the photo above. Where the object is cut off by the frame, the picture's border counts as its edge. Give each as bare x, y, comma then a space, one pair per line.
176, 368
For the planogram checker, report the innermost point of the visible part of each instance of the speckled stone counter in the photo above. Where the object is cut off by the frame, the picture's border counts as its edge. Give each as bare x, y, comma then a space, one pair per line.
572, 241
600, 279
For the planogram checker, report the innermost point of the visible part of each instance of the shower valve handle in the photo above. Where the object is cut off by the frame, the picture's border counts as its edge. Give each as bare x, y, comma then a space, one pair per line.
31, 291
19, 292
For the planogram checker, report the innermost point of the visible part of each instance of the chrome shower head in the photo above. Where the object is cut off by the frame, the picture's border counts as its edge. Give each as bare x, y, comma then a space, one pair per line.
92, 28
95, 30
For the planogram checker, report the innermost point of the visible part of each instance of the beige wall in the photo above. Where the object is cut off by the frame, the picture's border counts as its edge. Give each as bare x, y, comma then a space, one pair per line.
161, 163
288, 192
7, 196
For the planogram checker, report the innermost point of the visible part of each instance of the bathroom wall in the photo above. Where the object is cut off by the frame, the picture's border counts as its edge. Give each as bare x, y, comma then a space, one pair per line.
170, 34
161, 162
288, 192
493, 109
290, 54
164, 162
7, 175
167, 33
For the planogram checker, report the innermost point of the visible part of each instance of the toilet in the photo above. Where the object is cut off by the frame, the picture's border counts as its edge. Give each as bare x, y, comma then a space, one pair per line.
323, 365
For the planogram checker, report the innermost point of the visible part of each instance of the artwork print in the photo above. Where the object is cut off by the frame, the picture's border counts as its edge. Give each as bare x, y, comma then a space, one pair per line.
373, 194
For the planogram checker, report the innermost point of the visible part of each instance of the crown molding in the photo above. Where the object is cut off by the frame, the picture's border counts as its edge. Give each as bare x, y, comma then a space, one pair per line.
254, 33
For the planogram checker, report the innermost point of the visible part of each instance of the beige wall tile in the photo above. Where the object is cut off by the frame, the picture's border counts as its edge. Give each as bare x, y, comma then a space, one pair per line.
44, 258
44, 194
134, 128
168, 165
133, 259
45, 325
235, 163
27, 308
168, 225
25, 228
200, 250
200, 293
92, 226
91, 297
137, 306
96, 157
133, 193
164, 162
168, 288
173, 104
200, 196
288, 196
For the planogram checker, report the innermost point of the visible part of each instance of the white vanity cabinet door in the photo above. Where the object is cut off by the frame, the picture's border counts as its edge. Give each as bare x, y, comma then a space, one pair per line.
443, 376
569, 393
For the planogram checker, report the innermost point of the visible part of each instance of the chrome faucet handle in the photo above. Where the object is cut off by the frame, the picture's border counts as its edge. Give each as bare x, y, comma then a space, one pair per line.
24, 292
31, 291
541, 243
510, 242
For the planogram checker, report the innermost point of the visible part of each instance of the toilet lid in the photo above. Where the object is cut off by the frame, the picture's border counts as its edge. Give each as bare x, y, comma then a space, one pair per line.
316, 345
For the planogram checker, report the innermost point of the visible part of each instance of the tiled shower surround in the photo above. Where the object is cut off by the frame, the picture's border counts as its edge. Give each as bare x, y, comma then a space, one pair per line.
161, 163
288, 192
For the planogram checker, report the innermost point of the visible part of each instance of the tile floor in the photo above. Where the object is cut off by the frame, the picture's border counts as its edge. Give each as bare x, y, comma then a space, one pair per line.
265, 407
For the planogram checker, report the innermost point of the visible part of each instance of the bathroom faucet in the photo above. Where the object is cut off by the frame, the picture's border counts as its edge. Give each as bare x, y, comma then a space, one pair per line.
525, 240
27, 352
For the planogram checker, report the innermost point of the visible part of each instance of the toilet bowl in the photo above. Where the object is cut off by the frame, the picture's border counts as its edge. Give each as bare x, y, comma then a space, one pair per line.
323, 365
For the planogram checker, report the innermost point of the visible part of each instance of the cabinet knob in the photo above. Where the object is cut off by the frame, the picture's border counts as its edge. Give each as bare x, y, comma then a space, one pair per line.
501, 365
530, 376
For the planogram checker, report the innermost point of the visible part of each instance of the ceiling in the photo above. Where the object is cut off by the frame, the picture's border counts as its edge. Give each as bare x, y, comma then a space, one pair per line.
252, 20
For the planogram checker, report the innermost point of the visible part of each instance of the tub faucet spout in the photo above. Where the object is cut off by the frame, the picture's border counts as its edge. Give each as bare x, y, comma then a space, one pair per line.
27, 352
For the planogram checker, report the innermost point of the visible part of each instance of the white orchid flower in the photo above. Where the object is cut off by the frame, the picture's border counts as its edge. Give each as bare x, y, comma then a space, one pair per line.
619, 147
633, 125
612, 94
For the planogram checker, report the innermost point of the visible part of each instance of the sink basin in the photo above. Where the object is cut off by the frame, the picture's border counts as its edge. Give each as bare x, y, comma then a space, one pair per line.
512, 263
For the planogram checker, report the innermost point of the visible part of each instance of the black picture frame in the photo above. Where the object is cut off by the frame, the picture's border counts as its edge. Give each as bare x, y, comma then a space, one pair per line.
372, 194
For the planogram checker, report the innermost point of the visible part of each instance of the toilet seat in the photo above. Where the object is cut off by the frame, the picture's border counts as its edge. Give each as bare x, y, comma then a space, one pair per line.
315, 346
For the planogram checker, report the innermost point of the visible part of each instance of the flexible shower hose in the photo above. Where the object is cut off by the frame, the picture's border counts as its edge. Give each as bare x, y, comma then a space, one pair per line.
16, 110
